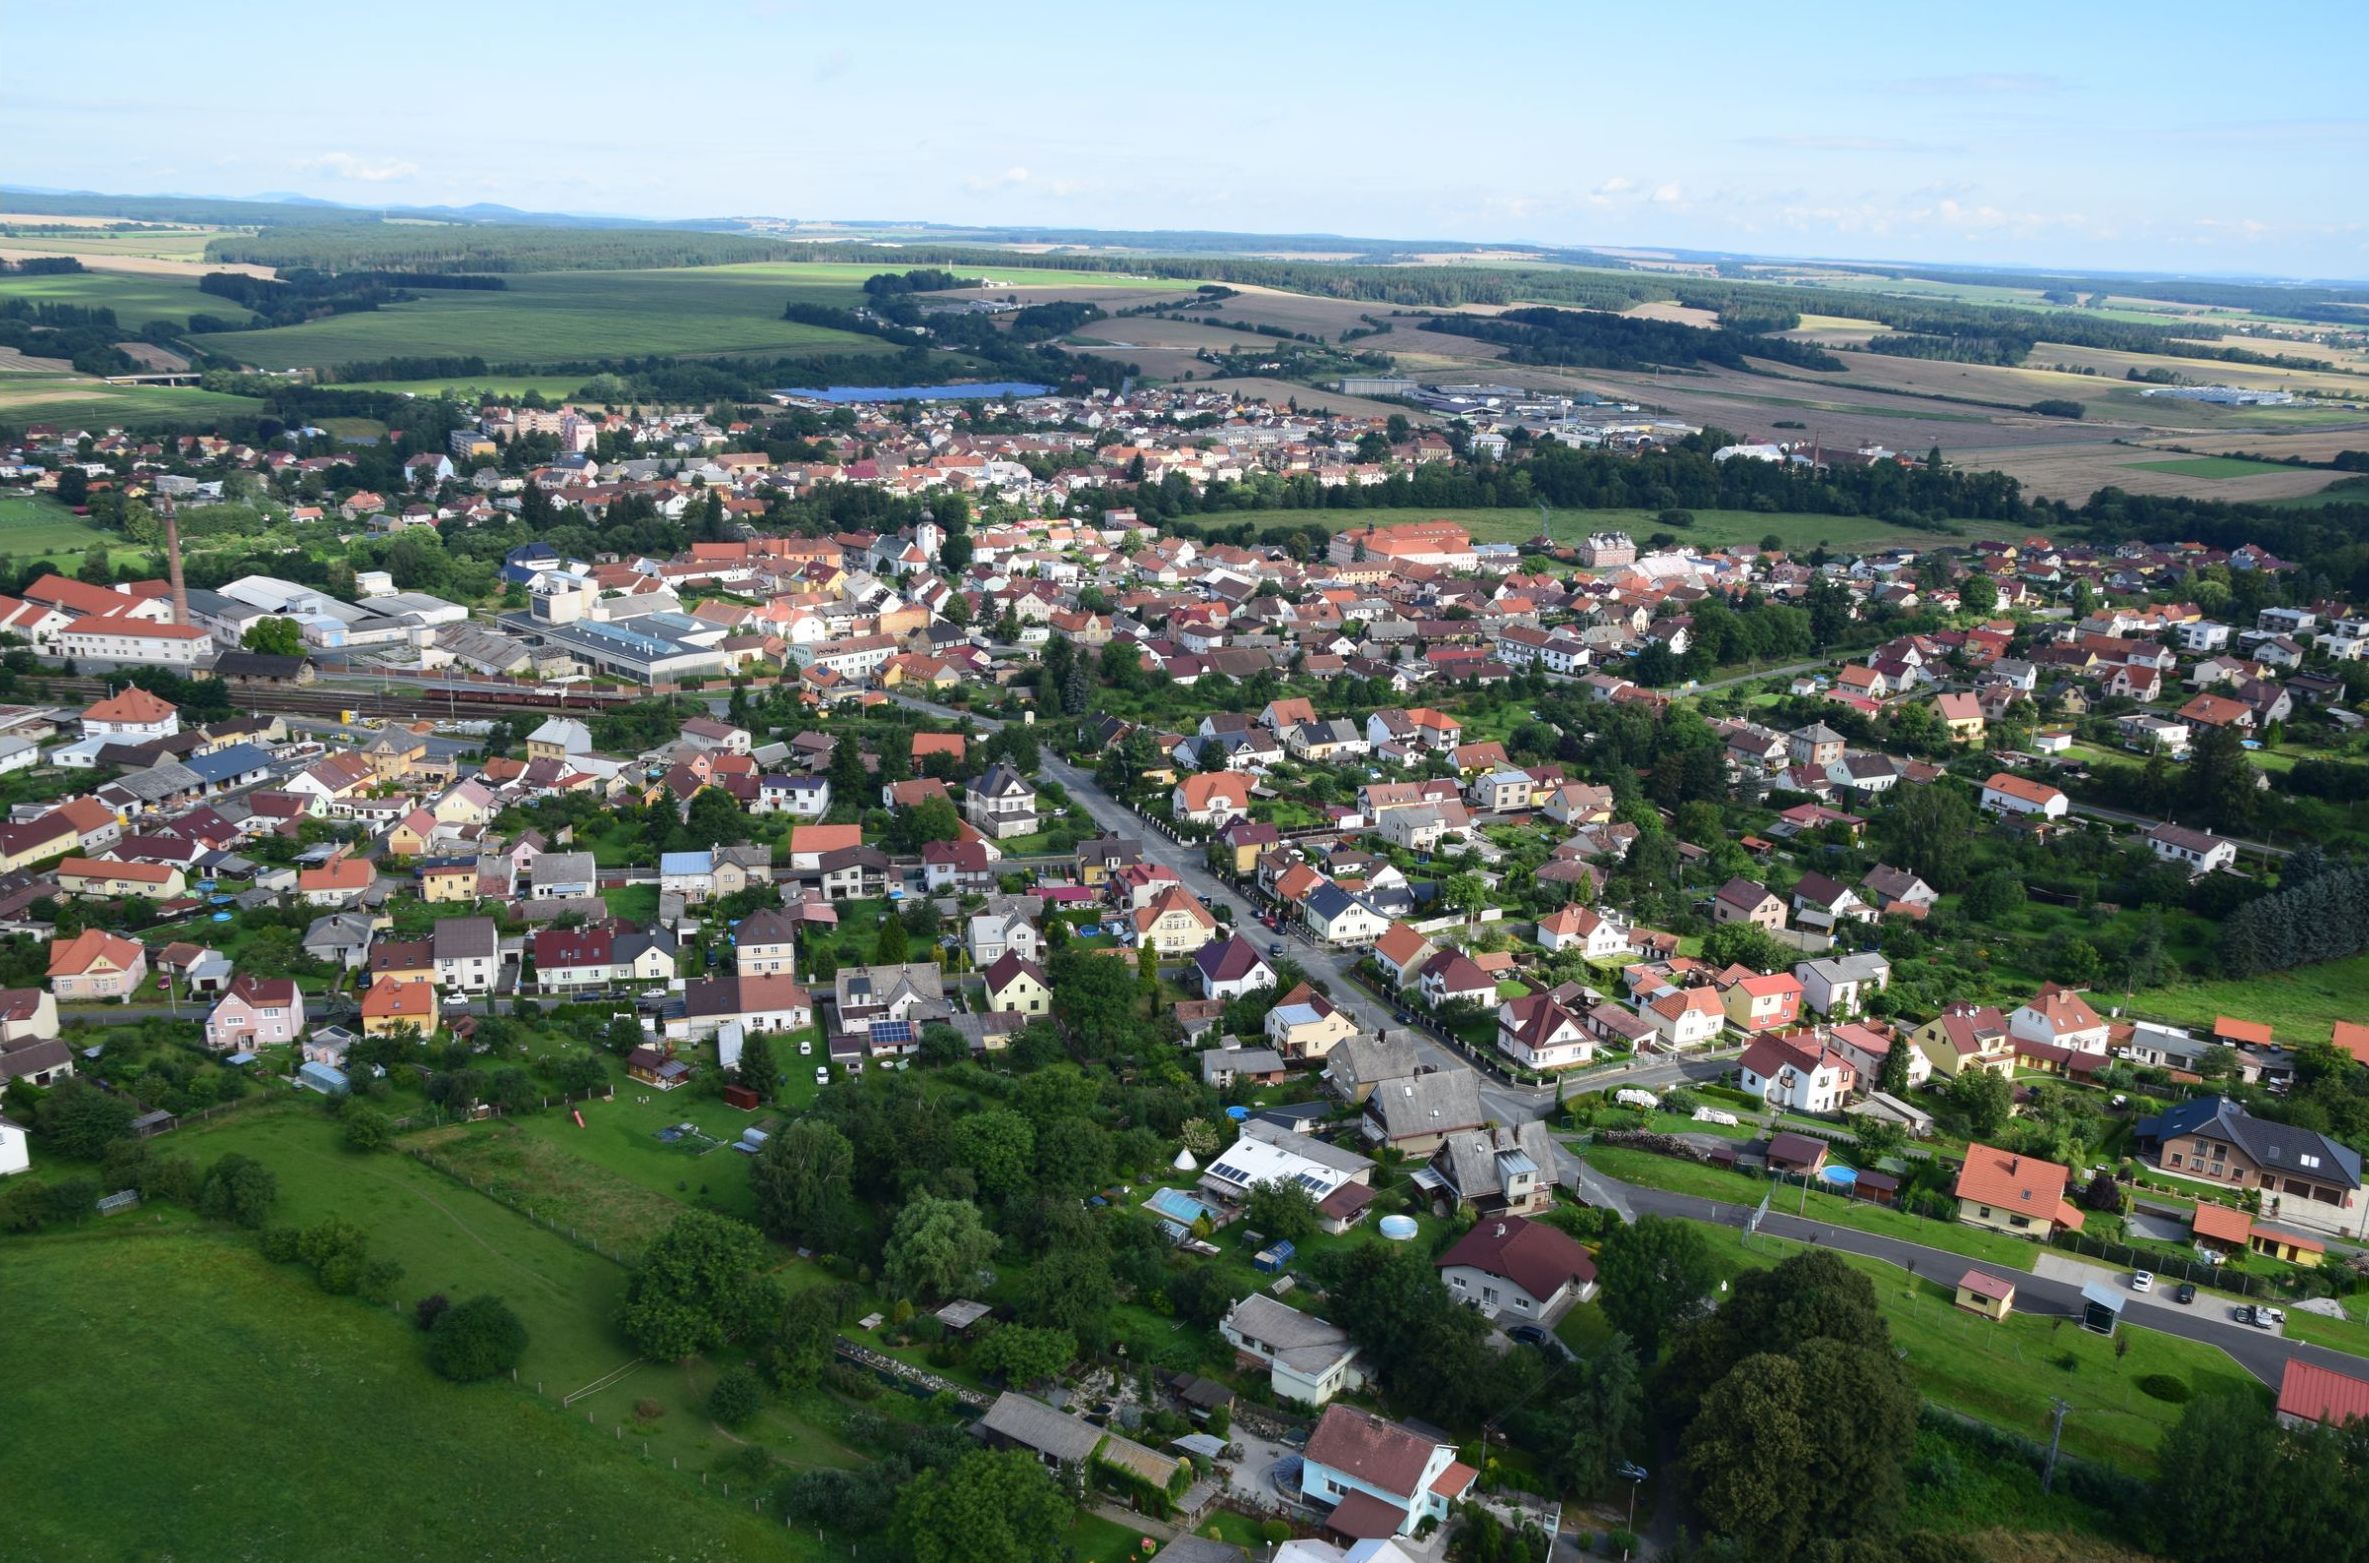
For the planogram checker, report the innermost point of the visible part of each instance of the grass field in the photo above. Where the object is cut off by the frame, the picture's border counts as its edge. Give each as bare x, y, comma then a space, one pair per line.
38, 527
95, 405
552, 386
2208, 467
544, 316
2300, 1005
136, 298
1711, 528
157, 1343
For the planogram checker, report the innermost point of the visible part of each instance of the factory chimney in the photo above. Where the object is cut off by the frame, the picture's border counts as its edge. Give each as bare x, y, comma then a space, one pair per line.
173, 559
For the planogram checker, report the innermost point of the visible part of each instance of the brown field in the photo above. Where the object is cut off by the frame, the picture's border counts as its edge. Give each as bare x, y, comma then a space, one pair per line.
149, 356
2074, 472
14, 362
2308, 445
145, 265
1325, 317
1310, 398
1678, 314
2207, 371
19, 395
1837, 330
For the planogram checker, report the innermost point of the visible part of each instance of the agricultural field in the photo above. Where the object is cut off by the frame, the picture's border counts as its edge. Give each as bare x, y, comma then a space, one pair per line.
2074, 472
96, 404
549, 316
136, 297
2211, 467
96, 242
552, 387
1711, 528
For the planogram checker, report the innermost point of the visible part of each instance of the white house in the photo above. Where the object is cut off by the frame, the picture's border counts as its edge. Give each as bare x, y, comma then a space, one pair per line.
1586, 930
1843, 982
2009, 794
1784, 1073
1341, 919
2061, 1017
1309, 1360
15, 1157
1370, 1472
2198, 851
1538, 1033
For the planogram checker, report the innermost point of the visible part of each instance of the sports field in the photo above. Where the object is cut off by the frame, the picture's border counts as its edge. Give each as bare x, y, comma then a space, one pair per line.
136, 298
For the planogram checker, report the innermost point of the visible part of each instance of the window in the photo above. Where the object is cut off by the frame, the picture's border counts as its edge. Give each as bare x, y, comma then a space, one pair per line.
2019, 1221
1983, 1211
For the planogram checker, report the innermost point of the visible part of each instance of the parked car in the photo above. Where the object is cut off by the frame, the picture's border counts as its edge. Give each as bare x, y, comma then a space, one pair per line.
1275, 947
2186, 1293
1527, 1335
822, 1074
2142, 1280
806, 1047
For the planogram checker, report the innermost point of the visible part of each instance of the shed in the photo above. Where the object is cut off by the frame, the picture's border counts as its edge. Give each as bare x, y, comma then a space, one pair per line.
742, 1097
2101, 1307
1797, 1154
962, 1313
1988, 1295
1881, 1187
2220, 1226
149, 1125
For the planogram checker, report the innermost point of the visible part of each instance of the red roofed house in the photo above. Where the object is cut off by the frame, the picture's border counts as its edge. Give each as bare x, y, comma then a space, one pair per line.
133, 714
1212, 798
1520, 1270
1379, 1479
1796, 1072
134, 642
2309, 1393
95, 964
2008, 794
1685, 1017
338, 882
2061, 1017
2010, 1193
1539, 1033
1764, 1003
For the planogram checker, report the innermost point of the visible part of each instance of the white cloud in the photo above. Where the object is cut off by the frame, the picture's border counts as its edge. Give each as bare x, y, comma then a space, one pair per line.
1015, 175
345, 165
1667, 195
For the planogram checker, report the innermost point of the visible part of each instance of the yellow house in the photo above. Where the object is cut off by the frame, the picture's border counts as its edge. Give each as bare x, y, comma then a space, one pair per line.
2008, 1192
411, 834
1175, 923
1018, 987
99, 878
1962, 715
1304, 1024
21, 846
399, 1008
2292, 1247
1967, 1036
449, 882
467, 804
393, 753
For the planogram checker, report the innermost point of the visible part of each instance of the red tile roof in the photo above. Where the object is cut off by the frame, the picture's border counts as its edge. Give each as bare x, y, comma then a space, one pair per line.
2320, 1394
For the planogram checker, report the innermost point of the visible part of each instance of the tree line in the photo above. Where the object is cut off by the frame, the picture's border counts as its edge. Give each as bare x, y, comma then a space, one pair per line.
1594, 340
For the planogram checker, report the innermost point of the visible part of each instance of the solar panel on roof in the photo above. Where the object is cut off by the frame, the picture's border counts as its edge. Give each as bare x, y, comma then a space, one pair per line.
891, 1031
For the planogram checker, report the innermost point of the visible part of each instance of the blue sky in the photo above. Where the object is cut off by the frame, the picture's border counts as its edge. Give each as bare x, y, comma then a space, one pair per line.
2178, 136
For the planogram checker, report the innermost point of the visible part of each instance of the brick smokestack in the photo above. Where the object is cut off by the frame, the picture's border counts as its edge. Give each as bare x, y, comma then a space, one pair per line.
173, 560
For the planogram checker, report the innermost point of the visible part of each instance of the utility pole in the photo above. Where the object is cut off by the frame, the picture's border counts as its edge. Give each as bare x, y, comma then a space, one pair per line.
2057, 1407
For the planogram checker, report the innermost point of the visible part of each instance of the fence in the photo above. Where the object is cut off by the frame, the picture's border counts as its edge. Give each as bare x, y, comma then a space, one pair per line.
2166, 1264
430, 1159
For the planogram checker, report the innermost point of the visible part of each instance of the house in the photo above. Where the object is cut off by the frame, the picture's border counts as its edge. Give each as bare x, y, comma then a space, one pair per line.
2311, 1395
468, 954
1968, 1036
1005, 924
1104, 856
2061, 1017
1497, 1171
95, 964
1309, 1360
1268, 1153
1001, 803
15, 1157
36, 1061
1378, 1478
2009, 794
398, 1009
1175, 923
1745, 901
1518, 1270
1961, 715
131, 715
1067, 1445
1865, 1048
1231, 969
1581, 928
1211, 798
27, 1015
2200, 852
1538, 1033
1502, 791
338, 882
1758, 1002
654, 1063
1018, 986
864, 996
1896, 890
1401, 951
1360, 1065
2008, 1192
559, 876
1222, 1068
1796, 1072
1452, 978
767, 1003
256, 1012
1340, 919
1416, 1115
1685, 1017
1824, 902
2301, 1175
109, 880
1796, 1155
1839, 986
1305, 1024
340, 938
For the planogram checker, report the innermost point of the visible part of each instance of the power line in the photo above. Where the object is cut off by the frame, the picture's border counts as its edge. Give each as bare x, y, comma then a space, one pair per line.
2057, 1407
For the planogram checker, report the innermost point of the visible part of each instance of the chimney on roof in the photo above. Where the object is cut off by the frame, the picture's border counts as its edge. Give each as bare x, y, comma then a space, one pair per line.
1501, 1229
173, 560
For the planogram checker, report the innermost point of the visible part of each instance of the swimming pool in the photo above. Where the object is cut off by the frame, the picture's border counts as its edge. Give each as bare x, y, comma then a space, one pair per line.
1181, 1207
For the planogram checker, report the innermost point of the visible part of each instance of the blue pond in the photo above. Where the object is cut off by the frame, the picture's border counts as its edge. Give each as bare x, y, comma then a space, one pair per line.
916, 393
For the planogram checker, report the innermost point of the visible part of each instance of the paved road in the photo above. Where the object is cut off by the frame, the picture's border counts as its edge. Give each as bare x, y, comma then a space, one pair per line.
2262, 1354
2123, 817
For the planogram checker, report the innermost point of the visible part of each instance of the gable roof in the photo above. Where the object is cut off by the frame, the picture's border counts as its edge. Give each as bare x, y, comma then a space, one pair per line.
1538, 1258
2019, 1185
1383, 1455
2282, 1146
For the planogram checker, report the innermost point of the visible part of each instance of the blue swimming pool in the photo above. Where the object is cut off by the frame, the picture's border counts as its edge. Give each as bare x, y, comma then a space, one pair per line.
1181, 1207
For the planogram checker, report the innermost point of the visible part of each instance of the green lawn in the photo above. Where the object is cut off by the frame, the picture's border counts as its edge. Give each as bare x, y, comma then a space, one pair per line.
549, 316
552, 386
92, 404
158, 1342
2300, 1005
34, 526
2208, 467
1743, 1188
636, 904
1711, 528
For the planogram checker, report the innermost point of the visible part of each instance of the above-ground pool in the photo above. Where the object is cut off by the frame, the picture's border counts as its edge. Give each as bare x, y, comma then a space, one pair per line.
1840, 1176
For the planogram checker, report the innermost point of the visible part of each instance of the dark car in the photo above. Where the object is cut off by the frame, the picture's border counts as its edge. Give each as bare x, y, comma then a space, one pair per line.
2186, 1293
1527, 1335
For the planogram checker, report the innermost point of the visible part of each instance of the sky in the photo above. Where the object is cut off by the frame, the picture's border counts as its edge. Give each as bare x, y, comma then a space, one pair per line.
2175, 136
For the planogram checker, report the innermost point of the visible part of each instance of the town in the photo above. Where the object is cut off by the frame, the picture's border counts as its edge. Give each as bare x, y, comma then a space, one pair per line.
1278, 1025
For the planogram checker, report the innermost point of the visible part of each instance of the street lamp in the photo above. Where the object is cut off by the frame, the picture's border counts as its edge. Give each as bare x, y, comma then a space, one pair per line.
1634, 1474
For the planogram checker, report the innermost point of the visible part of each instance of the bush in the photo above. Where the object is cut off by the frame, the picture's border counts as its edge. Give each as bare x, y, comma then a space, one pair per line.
429, 1309
367, 1129
280, 1245
2165, 1387
476, 1340
1274, 1533
738, 1396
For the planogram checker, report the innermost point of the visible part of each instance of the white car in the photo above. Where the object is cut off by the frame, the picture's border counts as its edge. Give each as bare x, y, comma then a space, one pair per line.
806, 1048
822, 1075
2142, 1281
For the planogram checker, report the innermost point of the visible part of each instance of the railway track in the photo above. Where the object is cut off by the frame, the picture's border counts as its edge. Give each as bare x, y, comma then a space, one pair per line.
394, 700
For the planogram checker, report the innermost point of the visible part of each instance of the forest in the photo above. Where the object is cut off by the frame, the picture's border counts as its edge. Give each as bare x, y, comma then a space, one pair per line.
1586, 339
489, 247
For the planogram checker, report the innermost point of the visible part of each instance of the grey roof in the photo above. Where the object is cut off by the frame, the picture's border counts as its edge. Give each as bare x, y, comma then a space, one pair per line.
1034, 1425
465, 938
1438, 1103
1363, 1060
2282, 1147
1862, 966
1300, 1341
1239, 1060
159, 781
1475, 1162
564, 868
1324, 1153
338, 928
